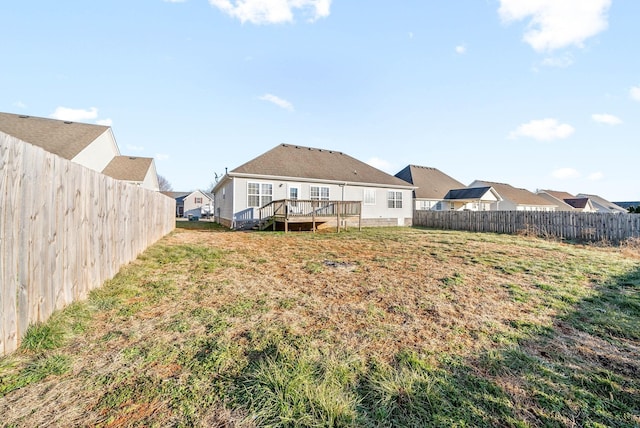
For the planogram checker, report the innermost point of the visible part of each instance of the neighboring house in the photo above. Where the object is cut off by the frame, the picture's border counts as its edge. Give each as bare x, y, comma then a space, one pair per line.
471, 199
431, 184
92, 146
566, 201
195, 204
179, 197
602, 205
135, 170
324, 177
515, 199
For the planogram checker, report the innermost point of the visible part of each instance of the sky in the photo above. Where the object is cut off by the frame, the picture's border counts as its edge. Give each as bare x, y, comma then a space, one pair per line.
539, 94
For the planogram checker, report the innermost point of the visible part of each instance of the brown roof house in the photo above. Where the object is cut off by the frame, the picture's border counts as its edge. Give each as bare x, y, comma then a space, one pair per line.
602, 205
566, 201
92, 146
135, 170
515, 199
432, 185
306, 179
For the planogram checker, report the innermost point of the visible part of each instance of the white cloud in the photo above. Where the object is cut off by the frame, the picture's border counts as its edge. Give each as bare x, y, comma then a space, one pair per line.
607, 119
381, 164
272, 11
461, 49
595, 176
563, 61
105, 122
543, 130
20, 105
277, 101
565, 173
74, 115
556, 24
161, 156
134, 148
634, 93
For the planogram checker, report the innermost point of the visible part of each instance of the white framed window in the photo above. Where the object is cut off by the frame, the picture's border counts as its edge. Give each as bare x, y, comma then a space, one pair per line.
394, 199
319, 193
369, 197
197, 200
259, 194
294, 193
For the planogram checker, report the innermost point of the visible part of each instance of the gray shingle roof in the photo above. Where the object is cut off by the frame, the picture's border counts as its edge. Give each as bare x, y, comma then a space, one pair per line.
128, 168
309, 163
431, 182
63, 138
467, 193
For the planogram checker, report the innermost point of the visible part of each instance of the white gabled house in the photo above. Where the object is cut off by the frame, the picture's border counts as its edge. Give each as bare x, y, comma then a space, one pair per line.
472, 199
309, 181
514, 199
92, 146
566, 201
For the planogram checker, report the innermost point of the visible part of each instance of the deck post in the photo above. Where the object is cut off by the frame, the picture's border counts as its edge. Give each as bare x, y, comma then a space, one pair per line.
338, 217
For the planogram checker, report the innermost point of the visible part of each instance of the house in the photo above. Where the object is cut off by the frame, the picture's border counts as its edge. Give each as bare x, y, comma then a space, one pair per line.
602, 205
471, 199
92, 146
431, 184
194, 204
310, 183
566, 201
515, 199
135, 170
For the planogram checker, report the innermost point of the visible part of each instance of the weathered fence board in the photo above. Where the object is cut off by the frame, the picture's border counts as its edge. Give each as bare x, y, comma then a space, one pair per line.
64, 230
561, 224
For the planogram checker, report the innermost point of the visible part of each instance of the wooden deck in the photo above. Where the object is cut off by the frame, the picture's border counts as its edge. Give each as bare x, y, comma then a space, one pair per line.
308, 214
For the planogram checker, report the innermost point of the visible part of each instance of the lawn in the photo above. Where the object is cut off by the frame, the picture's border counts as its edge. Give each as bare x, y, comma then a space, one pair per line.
383, 327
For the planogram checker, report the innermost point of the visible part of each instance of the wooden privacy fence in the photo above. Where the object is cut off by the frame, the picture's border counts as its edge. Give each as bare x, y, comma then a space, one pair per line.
64, 230
560, 224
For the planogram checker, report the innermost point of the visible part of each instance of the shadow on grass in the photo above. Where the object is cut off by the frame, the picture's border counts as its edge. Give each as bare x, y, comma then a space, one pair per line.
582, 372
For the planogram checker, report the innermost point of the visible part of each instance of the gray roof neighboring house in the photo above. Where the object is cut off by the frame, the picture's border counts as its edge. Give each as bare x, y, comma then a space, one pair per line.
431, 182
471, 193
291, 161
63, 138
517, 196
128, 168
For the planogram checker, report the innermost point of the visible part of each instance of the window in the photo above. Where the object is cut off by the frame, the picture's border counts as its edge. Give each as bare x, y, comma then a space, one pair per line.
198, 200
369, 197
259, 194
319, 193
394, 199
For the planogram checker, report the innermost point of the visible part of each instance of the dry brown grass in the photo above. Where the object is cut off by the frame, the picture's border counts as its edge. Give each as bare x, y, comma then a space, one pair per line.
372, 294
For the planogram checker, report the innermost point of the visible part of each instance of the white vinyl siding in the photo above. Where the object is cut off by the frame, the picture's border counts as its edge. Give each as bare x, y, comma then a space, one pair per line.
259, 194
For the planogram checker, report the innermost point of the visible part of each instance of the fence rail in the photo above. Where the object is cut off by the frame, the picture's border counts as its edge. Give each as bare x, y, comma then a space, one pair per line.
64, 230
561, 224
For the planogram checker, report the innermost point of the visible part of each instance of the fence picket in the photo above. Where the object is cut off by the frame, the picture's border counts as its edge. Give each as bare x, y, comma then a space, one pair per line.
561, 224
64, 230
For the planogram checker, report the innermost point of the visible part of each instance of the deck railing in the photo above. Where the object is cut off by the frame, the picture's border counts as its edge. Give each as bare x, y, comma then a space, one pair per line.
312, 211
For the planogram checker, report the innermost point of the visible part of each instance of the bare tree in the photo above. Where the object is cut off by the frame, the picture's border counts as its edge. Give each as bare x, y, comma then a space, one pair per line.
164, 184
